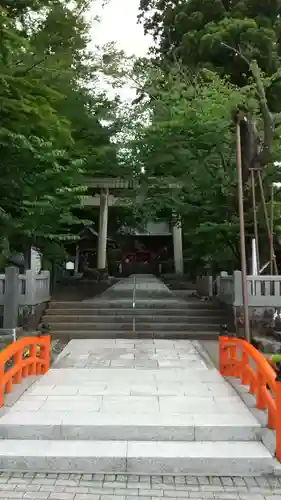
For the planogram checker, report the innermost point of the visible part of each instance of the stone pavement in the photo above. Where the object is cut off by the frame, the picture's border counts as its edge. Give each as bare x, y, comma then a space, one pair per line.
135, 384
144, 285
133, 487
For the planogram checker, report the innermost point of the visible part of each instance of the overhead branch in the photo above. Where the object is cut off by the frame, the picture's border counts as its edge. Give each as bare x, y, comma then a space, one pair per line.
264, 155
23, 72
237, 52
266, 115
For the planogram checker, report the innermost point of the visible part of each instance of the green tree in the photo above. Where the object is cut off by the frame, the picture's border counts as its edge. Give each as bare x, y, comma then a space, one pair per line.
186, 139
50, 134
240, 42
197, 33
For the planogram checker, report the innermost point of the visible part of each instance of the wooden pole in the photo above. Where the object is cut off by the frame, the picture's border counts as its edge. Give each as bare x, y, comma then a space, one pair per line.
242, 234
271, 229
270, 235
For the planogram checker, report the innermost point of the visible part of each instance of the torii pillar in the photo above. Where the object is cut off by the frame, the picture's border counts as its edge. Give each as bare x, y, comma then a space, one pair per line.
177, 242
102, 241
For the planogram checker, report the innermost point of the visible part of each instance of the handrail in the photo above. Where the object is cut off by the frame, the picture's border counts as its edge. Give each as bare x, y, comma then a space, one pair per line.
134, 293
235, 358
36, 361
134, 304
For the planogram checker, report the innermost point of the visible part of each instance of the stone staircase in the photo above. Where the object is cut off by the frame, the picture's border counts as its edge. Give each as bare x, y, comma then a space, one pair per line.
158, 313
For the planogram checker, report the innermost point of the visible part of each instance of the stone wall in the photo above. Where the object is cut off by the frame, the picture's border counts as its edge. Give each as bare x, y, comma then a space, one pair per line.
30, 316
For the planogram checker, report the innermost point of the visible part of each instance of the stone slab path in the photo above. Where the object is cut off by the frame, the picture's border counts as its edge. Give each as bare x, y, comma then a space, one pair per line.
151, 381
145, 283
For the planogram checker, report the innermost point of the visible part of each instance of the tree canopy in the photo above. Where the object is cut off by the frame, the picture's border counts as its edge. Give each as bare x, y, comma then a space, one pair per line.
188, 147
226, 55
53, 132
203, 32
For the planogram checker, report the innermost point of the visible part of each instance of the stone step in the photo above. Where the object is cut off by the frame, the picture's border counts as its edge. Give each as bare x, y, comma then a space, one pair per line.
137, 457
186, 334
127, 304
173, 313
148, 327
146, 319
140, 294
131, 427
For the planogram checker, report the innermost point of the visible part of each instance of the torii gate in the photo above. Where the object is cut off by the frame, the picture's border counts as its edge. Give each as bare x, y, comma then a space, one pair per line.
104, 200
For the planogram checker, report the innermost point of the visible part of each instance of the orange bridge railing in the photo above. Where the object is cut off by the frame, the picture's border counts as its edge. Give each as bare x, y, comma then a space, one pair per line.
28, 356
238, 358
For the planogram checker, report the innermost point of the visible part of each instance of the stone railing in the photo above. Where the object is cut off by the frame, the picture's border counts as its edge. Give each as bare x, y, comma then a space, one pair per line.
32, 288
264, 304
20, 292
42, 288
263, 291
225, 288
204, 285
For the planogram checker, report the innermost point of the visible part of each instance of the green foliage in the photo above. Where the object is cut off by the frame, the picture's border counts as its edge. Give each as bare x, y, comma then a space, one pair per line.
196, 33
51, 131
184, 137
240, 42
190, 139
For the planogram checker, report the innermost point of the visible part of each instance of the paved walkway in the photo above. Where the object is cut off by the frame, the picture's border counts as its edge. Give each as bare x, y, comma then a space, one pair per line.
121, 487
144, 285
140, 382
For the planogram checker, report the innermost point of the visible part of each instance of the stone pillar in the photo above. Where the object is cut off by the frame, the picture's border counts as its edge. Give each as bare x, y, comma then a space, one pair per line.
101, 264
222, 274
11, 298
30, 288
237, 289
177, 241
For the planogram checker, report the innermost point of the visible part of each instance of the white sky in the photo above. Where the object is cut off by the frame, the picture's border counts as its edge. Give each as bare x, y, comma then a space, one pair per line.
119, 24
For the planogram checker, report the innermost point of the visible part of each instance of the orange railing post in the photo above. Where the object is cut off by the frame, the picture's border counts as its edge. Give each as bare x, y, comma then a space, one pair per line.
18, 363
278, 415
2, 388
9, 385
32, 355
234, 370
45, 353
260, 404
223, 355
244, 376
